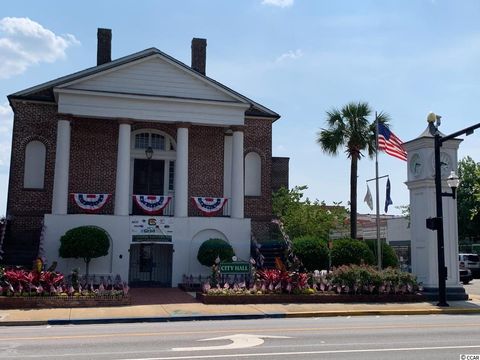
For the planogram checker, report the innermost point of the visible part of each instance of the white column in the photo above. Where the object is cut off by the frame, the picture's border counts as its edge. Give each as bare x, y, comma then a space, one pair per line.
62, 164
181, 172
237, 174
122, 184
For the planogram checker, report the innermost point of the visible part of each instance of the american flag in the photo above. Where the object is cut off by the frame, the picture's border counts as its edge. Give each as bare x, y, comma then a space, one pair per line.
388, 142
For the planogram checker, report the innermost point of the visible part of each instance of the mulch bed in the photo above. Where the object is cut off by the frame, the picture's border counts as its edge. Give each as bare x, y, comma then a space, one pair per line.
314, 298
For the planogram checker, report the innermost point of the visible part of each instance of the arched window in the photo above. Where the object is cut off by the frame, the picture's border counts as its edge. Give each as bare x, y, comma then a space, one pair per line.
34, 174
253, 174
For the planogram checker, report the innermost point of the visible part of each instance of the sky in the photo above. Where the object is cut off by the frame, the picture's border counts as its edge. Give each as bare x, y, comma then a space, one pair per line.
299, 58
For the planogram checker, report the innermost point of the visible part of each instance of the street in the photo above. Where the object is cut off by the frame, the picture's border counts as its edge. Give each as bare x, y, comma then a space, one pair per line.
373, 337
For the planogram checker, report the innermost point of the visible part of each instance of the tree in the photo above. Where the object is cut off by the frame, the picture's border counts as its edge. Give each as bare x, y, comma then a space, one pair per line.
468, 195
312, 251
213, 248
350, 128
351, 251
304, 217
86, 242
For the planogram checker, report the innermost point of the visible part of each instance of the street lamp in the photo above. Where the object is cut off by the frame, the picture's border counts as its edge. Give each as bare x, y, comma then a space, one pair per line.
453, 181
436, 223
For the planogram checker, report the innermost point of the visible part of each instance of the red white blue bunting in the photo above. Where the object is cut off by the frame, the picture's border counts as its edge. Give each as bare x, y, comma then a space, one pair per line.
90, 202
209, 206
152, 204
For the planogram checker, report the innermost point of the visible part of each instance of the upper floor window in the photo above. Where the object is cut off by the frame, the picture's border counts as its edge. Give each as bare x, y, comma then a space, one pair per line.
34, 172
145, 140
253, 174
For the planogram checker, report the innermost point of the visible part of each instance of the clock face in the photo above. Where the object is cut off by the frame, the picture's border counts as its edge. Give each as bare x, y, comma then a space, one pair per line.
445, 163
416, 165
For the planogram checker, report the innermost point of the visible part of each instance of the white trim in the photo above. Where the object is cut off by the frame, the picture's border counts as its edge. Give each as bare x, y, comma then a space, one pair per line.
150, 97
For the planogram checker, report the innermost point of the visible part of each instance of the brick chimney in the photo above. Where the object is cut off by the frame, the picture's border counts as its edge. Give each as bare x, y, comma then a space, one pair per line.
104, 46
199, 55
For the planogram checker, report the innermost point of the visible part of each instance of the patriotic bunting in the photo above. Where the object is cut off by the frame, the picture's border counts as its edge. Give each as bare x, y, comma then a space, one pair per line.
209, 206
152, 204
90, 202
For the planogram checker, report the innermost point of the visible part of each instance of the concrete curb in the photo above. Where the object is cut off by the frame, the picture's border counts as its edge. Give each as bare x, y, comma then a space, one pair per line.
465, 311
164, 319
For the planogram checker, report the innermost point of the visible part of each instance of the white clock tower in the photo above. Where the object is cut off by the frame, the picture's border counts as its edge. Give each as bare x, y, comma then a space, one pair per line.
421, 184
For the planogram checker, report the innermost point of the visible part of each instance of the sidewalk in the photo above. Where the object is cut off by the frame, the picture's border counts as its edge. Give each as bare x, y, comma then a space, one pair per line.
161, 305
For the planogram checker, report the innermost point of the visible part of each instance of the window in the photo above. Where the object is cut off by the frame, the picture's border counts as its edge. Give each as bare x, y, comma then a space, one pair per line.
34, 172
156, 141
253, 174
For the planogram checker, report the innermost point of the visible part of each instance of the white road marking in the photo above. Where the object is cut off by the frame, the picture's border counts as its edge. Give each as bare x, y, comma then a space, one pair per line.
308, 352
239, 341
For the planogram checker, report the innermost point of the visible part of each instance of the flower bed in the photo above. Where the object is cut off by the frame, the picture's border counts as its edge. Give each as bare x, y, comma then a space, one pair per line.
348, 283
21, 289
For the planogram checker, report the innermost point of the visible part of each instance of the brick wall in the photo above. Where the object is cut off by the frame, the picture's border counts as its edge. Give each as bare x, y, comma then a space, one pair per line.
258, 138
93, 160
279, 173
205, 163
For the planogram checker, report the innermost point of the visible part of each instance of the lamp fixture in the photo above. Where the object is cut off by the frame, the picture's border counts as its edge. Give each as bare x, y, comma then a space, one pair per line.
453, 181
149, 152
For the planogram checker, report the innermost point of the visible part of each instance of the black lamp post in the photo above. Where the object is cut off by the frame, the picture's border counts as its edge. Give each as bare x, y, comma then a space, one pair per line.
436, 223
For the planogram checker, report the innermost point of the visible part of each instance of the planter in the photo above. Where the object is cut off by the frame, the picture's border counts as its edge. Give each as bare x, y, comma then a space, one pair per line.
40, 302
314, 298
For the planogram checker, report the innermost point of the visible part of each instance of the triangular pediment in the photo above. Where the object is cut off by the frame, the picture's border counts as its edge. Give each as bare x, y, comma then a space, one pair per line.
153, 76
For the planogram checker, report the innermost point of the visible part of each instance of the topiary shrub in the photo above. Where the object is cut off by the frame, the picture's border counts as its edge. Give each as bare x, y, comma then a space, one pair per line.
86, 242
389, 257
312, 251
350, 251
213, 248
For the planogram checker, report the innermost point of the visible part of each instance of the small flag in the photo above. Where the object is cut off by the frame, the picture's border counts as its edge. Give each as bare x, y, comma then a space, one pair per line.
368, 198
388, 199
388, 142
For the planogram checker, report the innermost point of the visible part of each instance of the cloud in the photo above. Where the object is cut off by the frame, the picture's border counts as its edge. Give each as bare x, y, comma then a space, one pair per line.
24, 42
279, 3
6, 124
290, 55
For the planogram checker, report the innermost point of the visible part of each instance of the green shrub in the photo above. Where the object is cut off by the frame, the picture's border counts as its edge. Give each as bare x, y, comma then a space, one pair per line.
213, 248
389, 257
312, 251
85, 242
350, 251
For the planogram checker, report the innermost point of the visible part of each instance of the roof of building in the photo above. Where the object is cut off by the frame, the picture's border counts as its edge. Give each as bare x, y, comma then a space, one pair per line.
44, 92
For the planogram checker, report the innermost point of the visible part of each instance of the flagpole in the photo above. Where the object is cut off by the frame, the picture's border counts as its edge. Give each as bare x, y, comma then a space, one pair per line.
377, 198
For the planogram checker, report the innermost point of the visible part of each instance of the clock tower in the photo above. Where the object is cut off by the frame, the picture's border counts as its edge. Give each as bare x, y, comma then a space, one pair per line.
421, 184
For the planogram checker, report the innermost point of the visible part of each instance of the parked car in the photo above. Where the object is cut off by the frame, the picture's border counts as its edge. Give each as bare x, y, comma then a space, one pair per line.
465, 276
470, 262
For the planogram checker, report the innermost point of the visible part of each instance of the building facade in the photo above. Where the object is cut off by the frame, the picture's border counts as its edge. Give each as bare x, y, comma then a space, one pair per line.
151, 150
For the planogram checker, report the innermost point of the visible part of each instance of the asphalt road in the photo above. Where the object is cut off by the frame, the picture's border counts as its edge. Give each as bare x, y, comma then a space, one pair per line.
374, 337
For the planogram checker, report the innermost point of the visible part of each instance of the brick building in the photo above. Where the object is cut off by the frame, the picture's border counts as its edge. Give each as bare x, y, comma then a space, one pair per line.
144, 147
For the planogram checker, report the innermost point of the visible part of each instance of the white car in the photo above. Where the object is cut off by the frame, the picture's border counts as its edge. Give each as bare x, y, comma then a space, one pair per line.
470, 262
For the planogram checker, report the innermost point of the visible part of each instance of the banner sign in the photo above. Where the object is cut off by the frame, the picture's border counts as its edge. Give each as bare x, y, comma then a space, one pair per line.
158, 228
238, 267
90, 202
209, 206
152, 204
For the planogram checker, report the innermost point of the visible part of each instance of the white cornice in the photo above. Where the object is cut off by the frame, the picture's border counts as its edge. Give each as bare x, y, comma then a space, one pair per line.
151, 98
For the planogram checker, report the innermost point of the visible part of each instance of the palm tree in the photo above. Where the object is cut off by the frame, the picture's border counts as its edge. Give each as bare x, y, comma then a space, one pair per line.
350, 128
